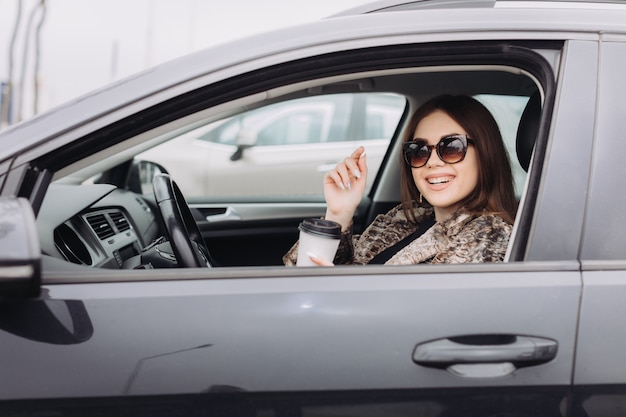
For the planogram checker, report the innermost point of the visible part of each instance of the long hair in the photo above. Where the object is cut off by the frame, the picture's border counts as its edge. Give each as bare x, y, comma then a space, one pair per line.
494, 192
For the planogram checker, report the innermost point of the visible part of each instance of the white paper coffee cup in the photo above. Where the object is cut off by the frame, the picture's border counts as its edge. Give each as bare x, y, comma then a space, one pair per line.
319, 237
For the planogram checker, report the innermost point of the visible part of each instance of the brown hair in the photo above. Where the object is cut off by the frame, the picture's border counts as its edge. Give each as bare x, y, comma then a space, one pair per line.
494, 192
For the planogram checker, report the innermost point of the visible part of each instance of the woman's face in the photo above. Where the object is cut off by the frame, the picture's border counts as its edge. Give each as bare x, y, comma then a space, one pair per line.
444, 185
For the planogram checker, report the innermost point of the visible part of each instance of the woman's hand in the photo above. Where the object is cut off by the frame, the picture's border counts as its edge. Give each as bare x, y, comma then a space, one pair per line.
344, 187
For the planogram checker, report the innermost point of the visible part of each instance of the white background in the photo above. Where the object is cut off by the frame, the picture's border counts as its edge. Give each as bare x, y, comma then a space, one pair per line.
85, 44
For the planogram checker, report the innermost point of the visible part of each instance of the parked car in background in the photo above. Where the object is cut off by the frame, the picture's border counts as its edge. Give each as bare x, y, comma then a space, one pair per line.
252, 152
123, 295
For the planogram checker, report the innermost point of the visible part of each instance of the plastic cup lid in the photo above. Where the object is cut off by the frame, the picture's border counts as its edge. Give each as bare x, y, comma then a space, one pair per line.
321, 227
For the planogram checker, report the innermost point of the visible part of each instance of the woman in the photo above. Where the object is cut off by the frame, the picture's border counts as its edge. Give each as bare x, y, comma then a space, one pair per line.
458, 201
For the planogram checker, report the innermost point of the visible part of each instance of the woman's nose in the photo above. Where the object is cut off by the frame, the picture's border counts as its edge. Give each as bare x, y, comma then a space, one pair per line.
433, 159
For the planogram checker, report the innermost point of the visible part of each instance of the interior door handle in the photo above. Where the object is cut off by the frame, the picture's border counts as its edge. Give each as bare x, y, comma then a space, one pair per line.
486, 355
229, 215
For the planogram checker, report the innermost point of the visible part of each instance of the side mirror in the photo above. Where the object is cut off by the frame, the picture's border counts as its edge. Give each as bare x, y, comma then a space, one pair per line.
141, 175
245, 140
20, 255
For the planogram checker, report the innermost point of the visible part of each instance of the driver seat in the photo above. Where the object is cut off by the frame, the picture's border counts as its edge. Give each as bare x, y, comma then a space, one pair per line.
527, 130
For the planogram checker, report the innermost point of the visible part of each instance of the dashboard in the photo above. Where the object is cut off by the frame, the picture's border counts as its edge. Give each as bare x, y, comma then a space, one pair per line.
96, 225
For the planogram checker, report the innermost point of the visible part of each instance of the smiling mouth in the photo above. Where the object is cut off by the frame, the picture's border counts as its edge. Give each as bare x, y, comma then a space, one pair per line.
439, 180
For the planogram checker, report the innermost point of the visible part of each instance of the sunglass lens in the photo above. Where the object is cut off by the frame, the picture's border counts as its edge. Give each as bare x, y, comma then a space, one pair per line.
452, 150
416, 154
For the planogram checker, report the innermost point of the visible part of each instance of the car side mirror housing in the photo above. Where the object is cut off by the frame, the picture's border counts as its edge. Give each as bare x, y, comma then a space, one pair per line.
20, 254
245, 140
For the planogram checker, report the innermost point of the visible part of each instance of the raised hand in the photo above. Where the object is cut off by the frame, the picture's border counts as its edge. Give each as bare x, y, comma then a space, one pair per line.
344, 187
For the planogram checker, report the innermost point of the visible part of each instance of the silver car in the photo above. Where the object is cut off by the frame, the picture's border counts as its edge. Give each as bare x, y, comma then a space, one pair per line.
246, 153
109, 310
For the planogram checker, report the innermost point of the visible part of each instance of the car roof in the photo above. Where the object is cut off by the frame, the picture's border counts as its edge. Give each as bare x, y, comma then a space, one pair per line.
399, 5
403, 5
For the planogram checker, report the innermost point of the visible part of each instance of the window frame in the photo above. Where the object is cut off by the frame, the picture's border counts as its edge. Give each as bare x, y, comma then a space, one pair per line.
449, 54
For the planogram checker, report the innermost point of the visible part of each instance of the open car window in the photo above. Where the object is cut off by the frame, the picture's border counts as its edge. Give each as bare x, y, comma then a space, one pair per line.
250, 163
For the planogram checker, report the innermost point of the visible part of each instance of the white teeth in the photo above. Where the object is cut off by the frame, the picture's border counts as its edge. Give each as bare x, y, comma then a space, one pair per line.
438, 180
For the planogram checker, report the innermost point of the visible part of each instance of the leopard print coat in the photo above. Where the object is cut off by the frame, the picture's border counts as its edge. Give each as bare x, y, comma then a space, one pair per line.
462, 238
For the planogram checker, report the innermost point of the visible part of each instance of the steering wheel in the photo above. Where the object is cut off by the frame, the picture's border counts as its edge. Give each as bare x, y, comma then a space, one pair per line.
181, 228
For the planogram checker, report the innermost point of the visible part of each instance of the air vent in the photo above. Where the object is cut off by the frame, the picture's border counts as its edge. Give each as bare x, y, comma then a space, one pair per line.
119, 220
100, 225
70, 245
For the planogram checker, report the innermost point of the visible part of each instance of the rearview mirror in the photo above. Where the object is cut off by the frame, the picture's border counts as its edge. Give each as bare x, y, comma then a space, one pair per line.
20, 255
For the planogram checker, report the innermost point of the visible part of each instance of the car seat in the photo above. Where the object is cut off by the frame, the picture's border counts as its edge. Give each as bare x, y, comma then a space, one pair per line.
527, 130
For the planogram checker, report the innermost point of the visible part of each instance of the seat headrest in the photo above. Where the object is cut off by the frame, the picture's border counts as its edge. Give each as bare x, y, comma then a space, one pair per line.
527, 130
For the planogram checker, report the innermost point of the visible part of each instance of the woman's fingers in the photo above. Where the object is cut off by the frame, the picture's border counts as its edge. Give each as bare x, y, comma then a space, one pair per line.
355, 162
362, 164
318, 260
335, 177
344, 186
345, 174
358, 152
351, 168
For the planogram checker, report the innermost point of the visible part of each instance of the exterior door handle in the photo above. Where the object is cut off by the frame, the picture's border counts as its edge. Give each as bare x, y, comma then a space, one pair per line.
488, 355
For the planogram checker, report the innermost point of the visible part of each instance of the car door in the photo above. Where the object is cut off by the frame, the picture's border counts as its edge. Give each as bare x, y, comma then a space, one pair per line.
432, 340
599, 378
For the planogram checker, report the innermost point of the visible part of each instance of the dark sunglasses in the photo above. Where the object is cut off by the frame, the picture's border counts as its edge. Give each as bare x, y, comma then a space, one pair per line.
450, 149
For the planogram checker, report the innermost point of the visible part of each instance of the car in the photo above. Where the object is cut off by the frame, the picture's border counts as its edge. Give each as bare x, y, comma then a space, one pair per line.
107, 309
243, 154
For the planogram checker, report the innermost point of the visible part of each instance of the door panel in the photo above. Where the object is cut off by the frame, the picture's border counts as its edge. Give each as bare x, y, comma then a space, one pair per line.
565, 175
600, 377
251, 234
300, 331
257, 234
